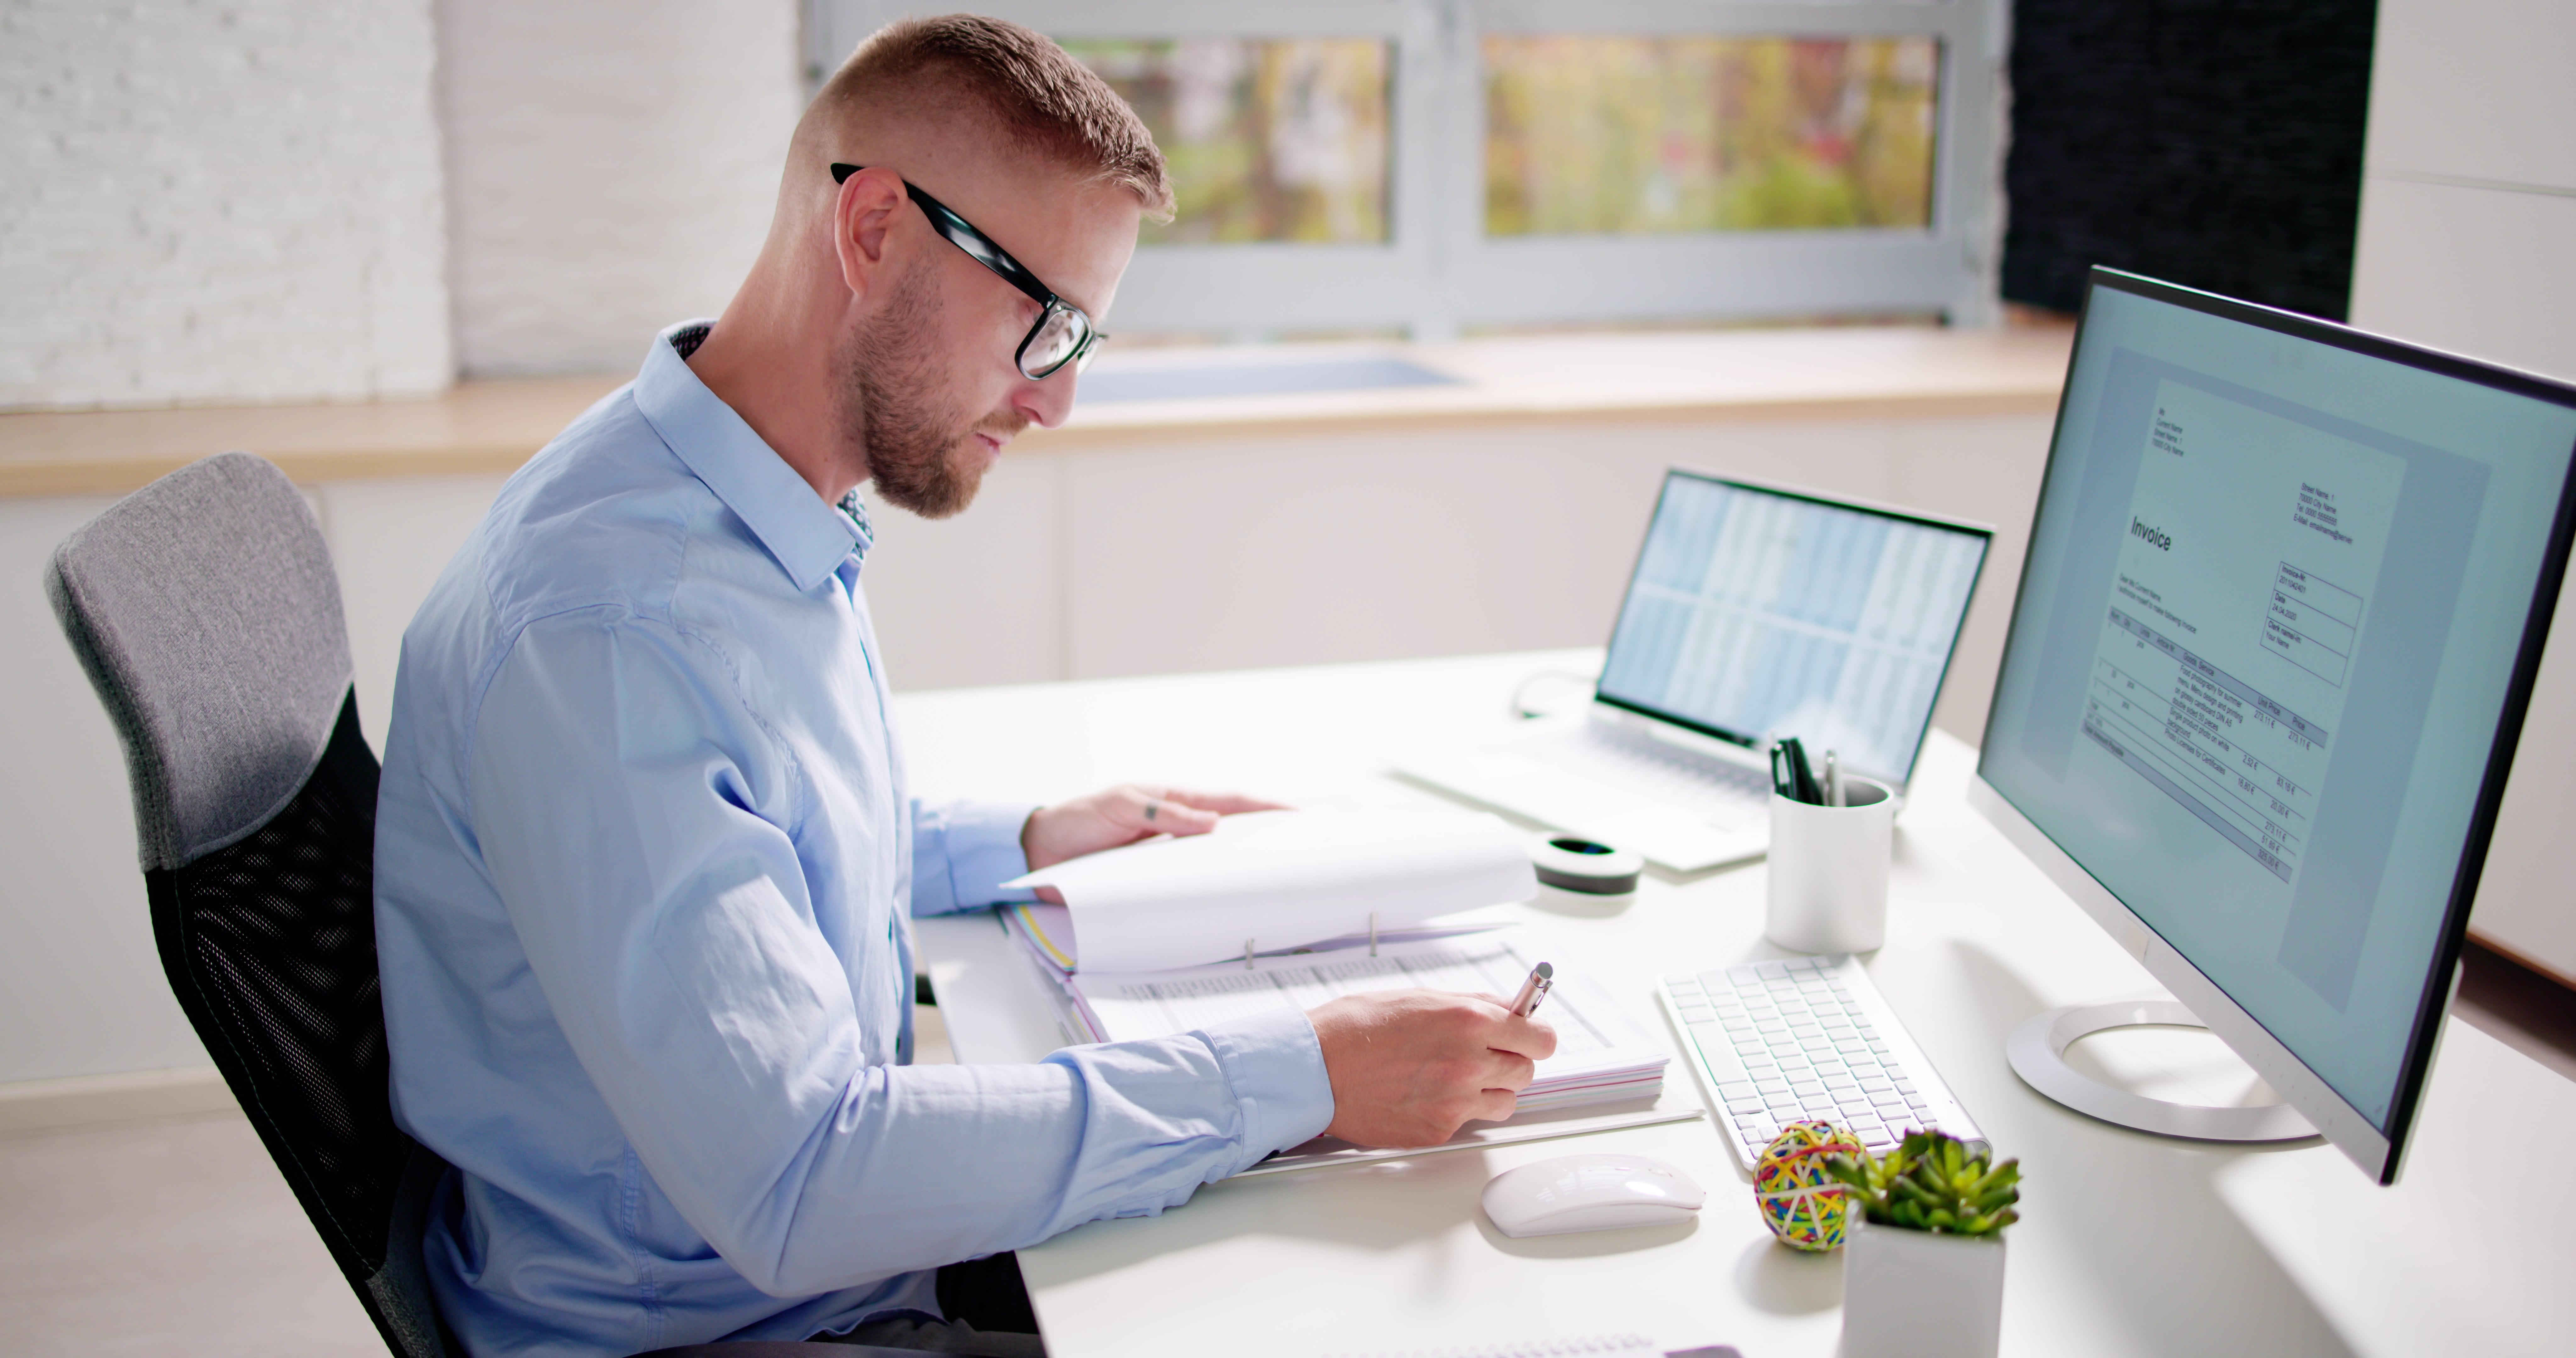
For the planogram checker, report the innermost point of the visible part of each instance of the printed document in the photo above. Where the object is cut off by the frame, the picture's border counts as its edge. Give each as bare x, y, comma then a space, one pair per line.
1276, 879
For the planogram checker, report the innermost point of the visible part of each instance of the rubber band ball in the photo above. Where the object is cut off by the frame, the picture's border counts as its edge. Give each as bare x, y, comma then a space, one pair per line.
1801, 1203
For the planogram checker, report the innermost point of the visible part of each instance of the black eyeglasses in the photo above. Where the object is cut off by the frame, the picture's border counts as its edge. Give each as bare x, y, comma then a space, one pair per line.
1064, 332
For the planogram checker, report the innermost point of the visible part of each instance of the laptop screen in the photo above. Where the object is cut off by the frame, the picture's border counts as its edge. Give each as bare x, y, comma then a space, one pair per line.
1756, 614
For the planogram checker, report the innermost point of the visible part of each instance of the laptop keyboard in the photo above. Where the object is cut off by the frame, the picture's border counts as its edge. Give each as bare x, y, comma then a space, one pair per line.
1807, 1039
1709, 790
1681, 808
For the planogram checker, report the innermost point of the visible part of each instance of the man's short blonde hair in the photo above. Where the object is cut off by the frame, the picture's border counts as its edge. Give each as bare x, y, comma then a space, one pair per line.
1035, 93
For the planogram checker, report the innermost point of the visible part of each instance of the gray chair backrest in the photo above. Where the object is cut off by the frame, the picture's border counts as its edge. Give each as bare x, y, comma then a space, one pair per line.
206, 611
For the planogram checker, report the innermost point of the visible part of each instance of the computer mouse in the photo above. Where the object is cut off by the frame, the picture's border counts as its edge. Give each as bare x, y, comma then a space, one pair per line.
1597, 1192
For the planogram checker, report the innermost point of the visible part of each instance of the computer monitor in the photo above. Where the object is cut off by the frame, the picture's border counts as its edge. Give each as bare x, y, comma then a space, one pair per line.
2285, 595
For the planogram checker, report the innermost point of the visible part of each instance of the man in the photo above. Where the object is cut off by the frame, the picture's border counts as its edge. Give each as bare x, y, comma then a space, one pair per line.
644, 857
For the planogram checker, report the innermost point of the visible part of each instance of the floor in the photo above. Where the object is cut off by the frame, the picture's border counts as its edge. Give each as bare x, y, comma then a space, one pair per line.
177, 1236
162, 1238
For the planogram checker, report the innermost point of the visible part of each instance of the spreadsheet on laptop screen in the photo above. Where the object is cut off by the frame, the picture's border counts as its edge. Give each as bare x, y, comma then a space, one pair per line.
1756, 614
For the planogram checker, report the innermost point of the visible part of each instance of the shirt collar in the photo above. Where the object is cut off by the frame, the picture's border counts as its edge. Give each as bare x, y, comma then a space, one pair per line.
807, 537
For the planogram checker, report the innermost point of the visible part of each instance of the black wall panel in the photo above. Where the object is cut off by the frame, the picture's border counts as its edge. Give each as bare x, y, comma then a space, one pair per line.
2212, 143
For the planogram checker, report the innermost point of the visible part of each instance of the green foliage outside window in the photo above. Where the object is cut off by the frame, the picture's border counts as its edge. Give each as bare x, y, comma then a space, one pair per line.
1268, 140
1626, 136
1290, 139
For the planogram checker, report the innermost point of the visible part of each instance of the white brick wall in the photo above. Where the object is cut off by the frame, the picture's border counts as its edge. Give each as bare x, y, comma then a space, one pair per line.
612, 168
206, 201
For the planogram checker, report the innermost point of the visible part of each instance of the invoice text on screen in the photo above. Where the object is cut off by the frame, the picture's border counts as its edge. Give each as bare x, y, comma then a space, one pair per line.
2220, 676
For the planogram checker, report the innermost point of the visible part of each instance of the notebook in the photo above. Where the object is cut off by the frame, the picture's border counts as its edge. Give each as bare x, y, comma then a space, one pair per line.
1607, 1071
1304, 907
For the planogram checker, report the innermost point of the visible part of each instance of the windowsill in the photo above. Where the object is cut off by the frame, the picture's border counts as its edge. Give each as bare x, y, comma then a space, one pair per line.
494, 426
1763, 373
473, 427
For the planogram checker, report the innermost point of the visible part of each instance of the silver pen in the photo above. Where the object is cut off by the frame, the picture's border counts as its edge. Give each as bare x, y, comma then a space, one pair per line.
1542, 978
1833, 781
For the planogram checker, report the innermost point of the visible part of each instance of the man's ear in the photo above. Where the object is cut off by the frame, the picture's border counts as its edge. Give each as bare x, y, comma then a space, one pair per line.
863, 226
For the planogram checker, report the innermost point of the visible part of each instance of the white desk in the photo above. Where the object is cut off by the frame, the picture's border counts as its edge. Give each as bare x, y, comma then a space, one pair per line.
2130, 1244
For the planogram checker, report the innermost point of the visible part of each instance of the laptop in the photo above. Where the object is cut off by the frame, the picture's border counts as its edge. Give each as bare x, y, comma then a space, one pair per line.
1754, 612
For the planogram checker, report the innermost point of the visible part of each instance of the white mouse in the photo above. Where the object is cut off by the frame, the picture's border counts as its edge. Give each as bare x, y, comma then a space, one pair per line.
1597, 1192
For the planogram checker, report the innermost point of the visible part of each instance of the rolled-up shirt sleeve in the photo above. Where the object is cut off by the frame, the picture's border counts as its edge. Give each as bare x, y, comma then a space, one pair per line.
962, 852
636, 818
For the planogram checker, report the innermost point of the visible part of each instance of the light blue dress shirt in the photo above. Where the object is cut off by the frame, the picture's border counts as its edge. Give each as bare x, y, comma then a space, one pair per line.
643, 863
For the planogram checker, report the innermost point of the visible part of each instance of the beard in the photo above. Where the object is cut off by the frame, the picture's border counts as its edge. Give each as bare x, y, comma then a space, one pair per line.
919, 447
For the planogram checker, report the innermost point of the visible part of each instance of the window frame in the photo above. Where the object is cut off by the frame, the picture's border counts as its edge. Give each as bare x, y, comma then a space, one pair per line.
1437, 272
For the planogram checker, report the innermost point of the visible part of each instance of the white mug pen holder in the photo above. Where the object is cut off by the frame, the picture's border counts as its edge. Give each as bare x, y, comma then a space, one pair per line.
1828, 871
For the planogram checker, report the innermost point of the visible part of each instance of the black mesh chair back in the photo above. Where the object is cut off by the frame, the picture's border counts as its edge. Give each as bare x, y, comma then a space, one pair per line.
205, 609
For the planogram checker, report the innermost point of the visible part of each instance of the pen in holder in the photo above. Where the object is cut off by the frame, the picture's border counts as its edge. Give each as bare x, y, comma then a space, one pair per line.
1828, 871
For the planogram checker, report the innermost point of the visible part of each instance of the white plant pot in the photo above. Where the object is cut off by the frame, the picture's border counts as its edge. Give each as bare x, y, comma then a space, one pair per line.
1914, 1294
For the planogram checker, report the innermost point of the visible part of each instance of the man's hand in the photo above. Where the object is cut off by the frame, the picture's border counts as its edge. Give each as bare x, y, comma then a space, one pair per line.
1123, 815
1409, 1067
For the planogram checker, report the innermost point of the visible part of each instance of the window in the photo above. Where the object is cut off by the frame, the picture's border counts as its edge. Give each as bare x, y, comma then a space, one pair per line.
1631, 136
1268, 139
1445, 165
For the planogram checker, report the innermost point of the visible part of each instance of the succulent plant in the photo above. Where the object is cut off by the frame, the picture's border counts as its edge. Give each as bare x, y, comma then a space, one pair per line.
1931, 1181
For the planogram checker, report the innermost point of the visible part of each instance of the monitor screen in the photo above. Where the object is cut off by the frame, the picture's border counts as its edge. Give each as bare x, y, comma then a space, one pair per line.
2285, 592
1757, 613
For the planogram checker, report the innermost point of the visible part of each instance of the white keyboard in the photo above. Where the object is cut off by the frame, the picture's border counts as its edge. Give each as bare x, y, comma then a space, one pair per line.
1679, 808
1806, 1038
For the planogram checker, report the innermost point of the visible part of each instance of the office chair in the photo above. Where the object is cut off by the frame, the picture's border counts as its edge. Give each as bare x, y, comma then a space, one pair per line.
205, 609
206, 612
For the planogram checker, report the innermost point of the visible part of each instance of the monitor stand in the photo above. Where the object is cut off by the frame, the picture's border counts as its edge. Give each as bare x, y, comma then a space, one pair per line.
2037, 1050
